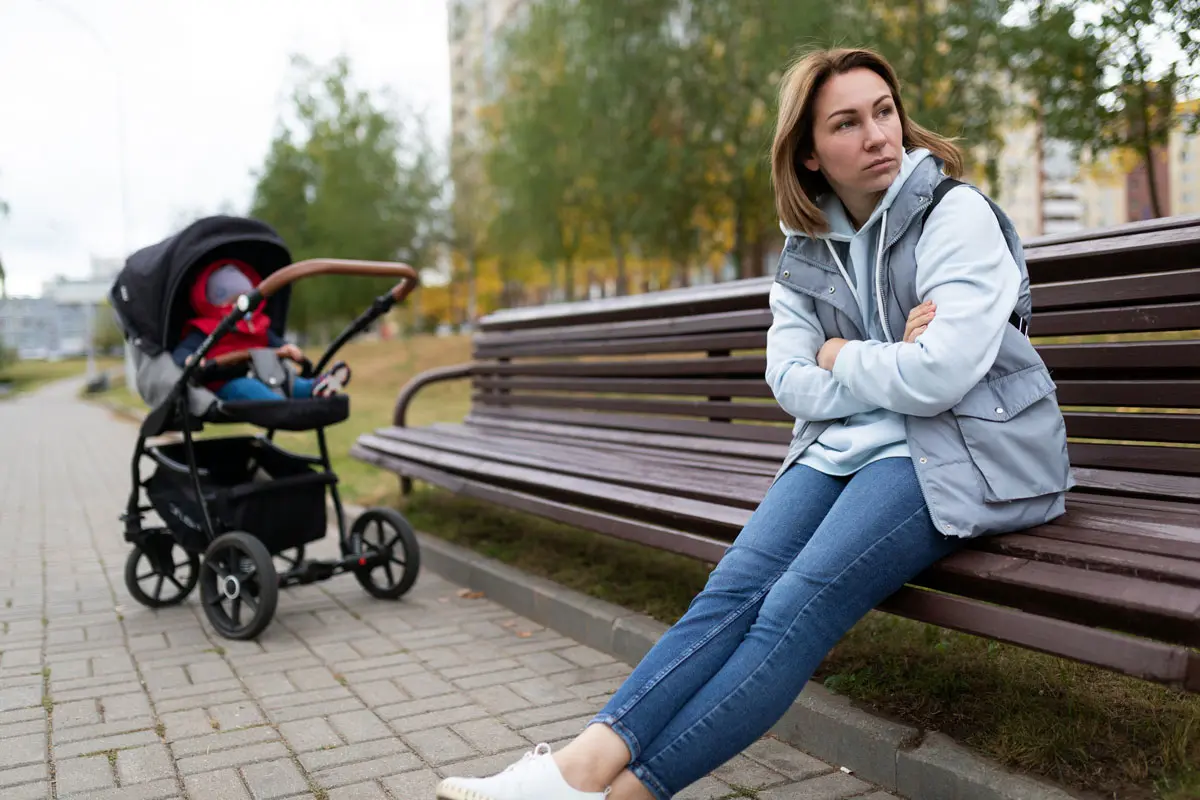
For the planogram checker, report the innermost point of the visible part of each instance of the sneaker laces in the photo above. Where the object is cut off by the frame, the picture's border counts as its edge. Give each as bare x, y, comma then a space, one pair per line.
541, 750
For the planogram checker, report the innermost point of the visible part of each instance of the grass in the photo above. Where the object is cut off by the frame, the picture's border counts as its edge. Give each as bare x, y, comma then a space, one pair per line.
27, 375
1080, 725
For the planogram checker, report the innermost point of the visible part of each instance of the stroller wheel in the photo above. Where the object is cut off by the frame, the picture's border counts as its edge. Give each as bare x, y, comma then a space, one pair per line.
238, 586
386, 531
159, 572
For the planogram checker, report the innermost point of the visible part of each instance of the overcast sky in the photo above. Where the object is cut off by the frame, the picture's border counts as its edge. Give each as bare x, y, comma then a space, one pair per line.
202, 84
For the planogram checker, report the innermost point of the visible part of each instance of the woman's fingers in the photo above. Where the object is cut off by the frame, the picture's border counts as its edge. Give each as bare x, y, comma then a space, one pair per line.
925, 308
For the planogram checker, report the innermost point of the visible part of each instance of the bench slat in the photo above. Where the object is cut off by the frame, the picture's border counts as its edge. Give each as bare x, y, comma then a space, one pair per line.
730, 296
706, 460
1153, 661
1083, 360
689, 544
1165, 611
1128, 319
726, 341
698, 481
631, 422
1158, 250
1145, 484
751, 319
748, 366
692, 408
1178, 460
1094, 557
770, 454
693, 513
715, 387
1125, 539
1174, 286
1150, 394
1175, 428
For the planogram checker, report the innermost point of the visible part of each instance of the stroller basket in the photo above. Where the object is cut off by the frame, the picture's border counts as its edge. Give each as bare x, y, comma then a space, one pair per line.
249, 485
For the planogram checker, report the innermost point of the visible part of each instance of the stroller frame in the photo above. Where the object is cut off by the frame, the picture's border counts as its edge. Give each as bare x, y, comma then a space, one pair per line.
157, 544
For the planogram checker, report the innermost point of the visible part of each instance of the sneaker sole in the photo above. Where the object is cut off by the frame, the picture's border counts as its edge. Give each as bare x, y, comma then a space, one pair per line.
454, 793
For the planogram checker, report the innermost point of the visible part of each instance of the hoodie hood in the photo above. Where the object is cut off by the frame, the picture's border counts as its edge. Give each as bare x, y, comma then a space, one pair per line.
841, 229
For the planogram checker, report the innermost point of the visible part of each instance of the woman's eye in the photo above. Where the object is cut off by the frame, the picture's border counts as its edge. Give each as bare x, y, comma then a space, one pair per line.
884, 112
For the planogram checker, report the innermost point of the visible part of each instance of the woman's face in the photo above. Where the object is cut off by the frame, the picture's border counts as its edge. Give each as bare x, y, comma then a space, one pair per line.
857, 137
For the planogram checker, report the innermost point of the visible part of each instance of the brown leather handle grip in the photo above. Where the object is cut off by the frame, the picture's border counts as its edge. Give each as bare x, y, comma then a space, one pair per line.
338, 266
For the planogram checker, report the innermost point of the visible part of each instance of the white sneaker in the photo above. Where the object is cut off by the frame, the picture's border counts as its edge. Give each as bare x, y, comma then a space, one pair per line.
534, 777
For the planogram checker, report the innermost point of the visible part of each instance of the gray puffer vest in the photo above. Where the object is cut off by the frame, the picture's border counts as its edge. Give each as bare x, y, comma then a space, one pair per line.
995, 462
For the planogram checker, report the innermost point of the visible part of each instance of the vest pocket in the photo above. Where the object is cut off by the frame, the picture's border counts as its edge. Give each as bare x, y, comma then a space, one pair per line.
1015, 435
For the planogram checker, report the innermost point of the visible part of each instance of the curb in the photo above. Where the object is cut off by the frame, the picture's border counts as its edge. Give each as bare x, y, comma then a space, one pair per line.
900, 758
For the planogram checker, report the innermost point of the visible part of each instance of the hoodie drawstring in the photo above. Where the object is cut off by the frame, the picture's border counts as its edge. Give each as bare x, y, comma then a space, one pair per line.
878, 274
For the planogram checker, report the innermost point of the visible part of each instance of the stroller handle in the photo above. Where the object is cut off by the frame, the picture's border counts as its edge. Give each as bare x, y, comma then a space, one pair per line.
293, 272
340, 266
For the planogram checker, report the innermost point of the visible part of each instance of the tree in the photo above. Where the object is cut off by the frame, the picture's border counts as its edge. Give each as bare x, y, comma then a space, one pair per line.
534, 158
951, 58
3, 282
736, 52
1103, 79
106, 336
347, 179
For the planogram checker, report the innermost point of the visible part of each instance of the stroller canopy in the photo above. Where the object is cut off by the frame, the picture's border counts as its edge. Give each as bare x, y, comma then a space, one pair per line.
150, 294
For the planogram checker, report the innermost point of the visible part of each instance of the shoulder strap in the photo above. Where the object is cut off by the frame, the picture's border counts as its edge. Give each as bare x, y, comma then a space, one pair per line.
939, 192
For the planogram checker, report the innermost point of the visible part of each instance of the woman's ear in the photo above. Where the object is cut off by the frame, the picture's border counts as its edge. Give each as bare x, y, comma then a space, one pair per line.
812, 163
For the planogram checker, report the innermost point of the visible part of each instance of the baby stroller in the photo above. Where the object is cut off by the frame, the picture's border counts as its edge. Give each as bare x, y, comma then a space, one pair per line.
230, 505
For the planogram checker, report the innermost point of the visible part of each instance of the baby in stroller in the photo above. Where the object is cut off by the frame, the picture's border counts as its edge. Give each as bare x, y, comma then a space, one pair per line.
212, 295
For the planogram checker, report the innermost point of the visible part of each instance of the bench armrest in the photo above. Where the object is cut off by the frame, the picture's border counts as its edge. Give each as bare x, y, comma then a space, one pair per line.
422, 380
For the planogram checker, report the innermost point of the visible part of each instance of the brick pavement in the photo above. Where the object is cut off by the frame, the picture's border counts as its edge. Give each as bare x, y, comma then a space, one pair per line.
343, 696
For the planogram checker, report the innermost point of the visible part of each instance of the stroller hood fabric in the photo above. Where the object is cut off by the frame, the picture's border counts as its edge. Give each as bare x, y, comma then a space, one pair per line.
151, 293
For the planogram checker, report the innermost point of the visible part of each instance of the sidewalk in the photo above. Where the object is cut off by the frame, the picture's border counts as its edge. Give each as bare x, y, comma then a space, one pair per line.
343, 696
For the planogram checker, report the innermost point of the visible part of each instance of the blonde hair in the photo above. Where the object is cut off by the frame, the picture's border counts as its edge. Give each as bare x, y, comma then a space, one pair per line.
797, 188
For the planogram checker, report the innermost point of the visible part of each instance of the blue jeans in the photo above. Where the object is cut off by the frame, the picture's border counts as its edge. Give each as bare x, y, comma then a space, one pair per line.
254, 389
818, 553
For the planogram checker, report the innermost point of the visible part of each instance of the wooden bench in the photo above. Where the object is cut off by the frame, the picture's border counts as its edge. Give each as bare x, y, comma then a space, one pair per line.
648, 418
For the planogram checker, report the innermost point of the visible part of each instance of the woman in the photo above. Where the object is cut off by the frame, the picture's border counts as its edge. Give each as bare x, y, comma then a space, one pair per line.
923, 418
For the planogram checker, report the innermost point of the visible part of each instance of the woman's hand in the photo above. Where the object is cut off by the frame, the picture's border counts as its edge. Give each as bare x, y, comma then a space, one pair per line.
827, 355
918, 320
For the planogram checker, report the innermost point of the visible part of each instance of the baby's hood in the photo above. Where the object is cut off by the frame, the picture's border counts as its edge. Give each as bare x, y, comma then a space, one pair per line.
220, 277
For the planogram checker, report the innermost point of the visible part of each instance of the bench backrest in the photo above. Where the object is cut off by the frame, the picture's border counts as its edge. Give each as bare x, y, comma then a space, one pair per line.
1116, 318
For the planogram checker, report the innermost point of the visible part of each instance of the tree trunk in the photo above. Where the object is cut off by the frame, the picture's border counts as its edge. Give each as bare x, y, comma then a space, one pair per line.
622, 278
681, 274
1146, 148
739, 232
472, 287
919, 72
758, 250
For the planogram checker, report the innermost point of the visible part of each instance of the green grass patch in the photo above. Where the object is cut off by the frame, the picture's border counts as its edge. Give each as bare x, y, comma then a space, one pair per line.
27, 375
1080, 725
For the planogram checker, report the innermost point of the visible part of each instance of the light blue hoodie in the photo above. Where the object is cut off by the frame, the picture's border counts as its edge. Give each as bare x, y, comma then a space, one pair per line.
862, 393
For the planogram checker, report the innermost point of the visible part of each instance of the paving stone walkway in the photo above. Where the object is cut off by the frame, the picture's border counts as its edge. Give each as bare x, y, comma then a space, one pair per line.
343, 696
